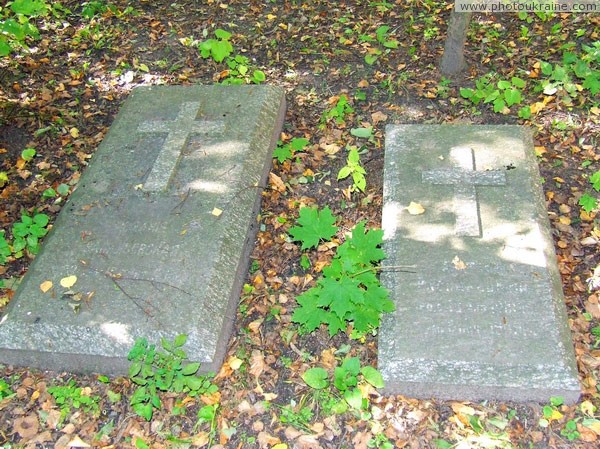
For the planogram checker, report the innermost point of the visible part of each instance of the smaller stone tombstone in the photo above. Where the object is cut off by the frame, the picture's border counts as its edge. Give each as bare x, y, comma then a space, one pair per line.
483, 316
143, 233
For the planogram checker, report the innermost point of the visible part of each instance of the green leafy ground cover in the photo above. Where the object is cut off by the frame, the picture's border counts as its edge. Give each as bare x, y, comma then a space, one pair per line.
348, 67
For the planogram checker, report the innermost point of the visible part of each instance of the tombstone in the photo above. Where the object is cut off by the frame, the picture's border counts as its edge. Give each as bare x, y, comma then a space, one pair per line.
482, 315
158, 233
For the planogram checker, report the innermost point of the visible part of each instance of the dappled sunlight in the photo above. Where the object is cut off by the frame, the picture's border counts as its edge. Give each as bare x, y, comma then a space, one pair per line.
118, 332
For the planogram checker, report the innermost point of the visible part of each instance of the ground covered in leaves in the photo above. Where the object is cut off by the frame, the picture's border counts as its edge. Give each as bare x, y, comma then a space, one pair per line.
342, 69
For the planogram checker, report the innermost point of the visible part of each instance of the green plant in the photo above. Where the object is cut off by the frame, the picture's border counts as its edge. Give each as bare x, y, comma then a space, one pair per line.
28, 154
297, 415
354, 169
239, 72
208, 414
314, 225
285, 152
583, 67
5, 391
4, 249
382, 37
339, 112
569, 431
380, 441
62, 190
70, 397
588, 202
15, 24
502, 94
348, 291
346, 380
27, 233
595, 331
156, 371
217, 49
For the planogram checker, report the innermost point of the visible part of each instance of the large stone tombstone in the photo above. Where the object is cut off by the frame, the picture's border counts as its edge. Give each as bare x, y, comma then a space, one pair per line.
158, 233
482, 316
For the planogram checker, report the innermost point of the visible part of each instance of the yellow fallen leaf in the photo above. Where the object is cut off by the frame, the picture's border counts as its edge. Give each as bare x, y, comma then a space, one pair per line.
415, 208
45, 286
235, 363
217, 212
280, 446
74, 133
588, 408
77, 442
271, 17
564, 220
69, 281
593, 425
458, 264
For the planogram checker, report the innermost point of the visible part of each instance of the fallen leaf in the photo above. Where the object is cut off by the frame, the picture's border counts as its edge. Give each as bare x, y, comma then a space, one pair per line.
415, 208
69, 281
26, 426
458, 264
45, 286
77, 442
235, 363
257, 363
217, 212
74, 133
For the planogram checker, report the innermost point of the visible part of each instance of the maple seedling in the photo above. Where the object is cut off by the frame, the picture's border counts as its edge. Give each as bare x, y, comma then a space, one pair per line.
349, 291
285, 152
314, 226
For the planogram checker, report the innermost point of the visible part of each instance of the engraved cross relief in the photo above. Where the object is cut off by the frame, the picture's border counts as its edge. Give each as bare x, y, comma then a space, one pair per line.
178, 133
465, 179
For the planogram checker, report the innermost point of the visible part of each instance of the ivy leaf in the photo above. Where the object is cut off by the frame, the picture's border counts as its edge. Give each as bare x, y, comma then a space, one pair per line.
314, 226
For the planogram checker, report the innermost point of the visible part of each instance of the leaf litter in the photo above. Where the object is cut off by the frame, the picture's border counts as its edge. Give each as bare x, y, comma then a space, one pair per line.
62, 106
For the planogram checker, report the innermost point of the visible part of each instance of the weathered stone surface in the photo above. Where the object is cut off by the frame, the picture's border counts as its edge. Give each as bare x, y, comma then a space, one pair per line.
151, 259
482, 316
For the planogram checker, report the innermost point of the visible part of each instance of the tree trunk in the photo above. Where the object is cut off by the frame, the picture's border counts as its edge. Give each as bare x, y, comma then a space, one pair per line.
453, 59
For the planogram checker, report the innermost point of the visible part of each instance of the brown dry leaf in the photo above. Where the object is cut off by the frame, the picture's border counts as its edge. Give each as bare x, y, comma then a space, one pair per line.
308, 442
265, 440
276, 182
201, 439
77, 442
254, 326
378, 117
27, 426
257, 363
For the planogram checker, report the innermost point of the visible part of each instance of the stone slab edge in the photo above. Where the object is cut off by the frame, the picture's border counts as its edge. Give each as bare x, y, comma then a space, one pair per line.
94, 363
566, 369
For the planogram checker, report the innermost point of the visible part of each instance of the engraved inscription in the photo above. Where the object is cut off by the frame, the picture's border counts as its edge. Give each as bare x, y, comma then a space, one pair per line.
177, 132
465, 178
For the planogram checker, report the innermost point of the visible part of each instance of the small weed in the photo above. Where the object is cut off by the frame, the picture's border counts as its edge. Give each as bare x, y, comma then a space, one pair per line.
5, 391
285, 152
346, 379
27, 233
339, 112
296, 415
239, 72
70, 397
354, 169
28, 154
217, 49
5, 250
156, 371
588, 202
502, 94
569, 431
385, 42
